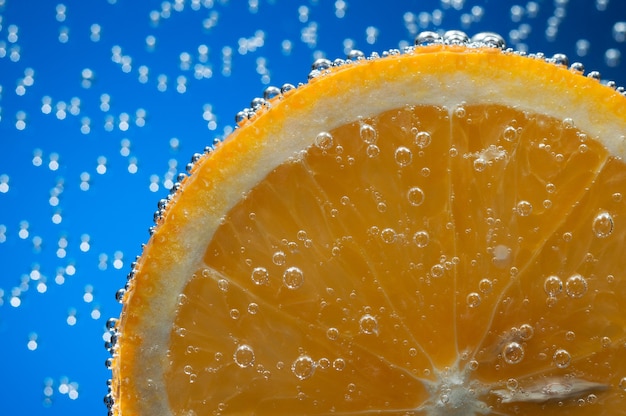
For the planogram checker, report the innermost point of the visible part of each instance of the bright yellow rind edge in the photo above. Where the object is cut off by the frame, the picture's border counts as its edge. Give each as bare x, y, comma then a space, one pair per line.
433, 75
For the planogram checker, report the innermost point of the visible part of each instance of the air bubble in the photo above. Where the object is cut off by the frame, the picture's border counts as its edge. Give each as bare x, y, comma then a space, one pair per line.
368, 324
421, 238
512, 384
437, 270
480, 164
553, 286
253, 308
339, 364
561, 358
332, 333
293, 278
279, 258
223, 285
526, 332
372, 151
513, 353
602, 225
422, 139
324, 140
244, 356
485, 286
260, 276
524, 208
403, 156
473, 300
323, 363
388, 235
415, 196
622, 383
509, 134
303, 367
368, 134
576, 286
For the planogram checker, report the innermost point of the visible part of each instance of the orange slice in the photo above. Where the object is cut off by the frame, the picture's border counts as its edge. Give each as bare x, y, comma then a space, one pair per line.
438, 231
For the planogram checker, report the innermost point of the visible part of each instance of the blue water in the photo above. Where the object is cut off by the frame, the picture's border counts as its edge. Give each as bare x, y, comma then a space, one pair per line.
95, 123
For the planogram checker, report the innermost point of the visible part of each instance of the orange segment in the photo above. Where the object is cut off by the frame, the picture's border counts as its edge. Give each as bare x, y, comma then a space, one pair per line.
436, 232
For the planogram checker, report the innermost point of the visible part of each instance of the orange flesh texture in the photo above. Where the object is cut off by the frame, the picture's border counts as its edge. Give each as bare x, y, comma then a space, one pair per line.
402, 313
352, 238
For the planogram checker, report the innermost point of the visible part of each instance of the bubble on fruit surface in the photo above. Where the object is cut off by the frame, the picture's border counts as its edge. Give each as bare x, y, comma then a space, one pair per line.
423, 139
421, 238
480, 164
403, 156
324, 140
561, 358
485, 286
244, 356
279, 258
332, 333
524, 208
368, 133
553, 285
303, 367
602, 225
293, 278
260, 276
368, 324
372, 151
576, 286
460, 112
388, 235
416, 196
473, 299
339, 364
437, 271
253, 308
512, 384
223, 285
509, 134
513, 353
526, 332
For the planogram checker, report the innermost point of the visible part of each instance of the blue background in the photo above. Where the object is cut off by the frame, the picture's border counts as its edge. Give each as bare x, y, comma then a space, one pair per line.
56, 291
